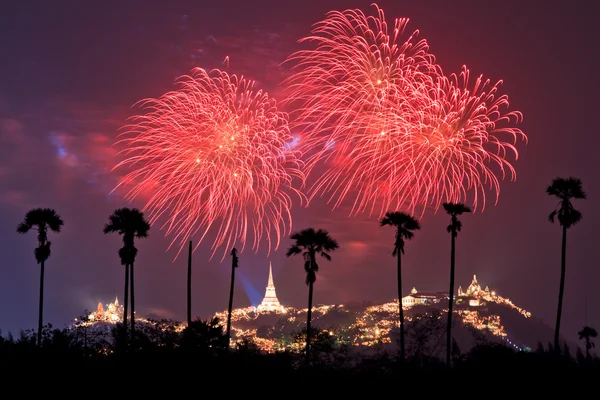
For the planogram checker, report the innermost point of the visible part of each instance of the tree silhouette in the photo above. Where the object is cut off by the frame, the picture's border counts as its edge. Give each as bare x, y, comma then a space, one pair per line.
310, 243
41, 219
189, 285
234, 265
587, 333
405, 225
130, 223
454, 210
567, 215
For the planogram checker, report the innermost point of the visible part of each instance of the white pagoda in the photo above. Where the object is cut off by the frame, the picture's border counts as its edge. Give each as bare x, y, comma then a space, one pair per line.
270, 303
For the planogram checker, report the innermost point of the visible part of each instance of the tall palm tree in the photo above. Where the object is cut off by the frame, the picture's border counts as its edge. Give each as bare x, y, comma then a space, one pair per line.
234, 265
130, 223
454, 210
189, 286
405, 225
41, 219
587, 333
565, 190
310, 243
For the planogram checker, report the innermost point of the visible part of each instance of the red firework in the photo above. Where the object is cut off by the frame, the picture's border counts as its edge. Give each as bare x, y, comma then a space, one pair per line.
372, 103
460, 148
213, 154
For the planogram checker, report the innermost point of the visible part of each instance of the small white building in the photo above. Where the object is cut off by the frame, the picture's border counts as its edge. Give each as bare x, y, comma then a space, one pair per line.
422, 298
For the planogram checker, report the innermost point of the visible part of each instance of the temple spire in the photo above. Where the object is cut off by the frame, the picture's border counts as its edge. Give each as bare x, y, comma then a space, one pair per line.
270, 301
270, 282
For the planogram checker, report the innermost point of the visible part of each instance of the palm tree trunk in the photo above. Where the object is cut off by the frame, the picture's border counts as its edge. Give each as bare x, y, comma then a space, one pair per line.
132, 306
230, 304
588, 345
126, 303
308, 319
41, 306
561, 291
189, 286
400, 305
450, 303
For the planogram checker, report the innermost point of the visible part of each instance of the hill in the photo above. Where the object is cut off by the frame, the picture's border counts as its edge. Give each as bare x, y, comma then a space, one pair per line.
480, 315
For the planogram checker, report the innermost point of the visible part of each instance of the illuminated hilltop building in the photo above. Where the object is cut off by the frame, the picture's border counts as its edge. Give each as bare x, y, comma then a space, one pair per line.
270, 303
112, 314
475, 293
422, 298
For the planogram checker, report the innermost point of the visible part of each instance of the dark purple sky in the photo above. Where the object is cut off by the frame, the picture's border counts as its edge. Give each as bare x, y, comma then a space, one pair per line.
70, 72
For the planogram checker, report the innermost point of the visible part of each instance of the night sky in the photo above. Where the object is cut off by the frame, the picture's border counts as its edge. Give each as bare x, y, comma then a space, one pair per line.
70, 73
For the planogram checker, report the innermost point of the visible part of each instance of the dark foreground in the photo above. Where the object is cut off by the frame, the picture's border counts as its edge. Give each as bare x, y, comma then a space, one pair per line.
199, 360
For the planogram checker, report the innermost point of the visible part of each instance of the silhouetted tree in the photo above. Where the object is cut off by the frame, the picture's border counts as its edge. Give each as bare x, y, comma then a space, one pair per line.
326, 348
540, 348
130, 223
580, 357
204, 335
189, 285
310, 243
405, 225
587, 333
454, 210
41, 219
565, 190
234, 265
424, 334
567, 352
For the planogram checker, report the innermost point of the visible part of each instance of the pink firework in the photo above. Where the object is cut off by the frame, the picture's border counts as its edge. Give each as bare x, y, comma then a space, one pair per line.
213, 155
387, 128
358, 94
462, 147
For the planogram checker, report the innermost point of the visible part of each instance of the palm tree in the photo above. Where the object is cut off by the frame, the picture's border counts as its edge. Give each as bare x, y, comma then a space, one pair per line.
41, 219
130, 223
404, 225
189, 286
565, 190
586, 334
310, 243
454, 210
234, 265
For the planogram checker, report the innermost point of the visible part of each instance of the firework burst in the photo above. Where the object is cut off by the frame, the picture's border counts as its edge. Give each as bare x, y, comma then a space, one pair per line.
357, 93
387, 127
462, 146
213, 155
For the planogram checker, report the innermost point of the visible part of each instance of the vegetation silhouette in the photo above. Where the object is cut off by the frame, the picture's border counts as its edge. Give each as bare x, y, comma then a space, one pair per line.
41, 219
405, 224
566, 190
587, 333
130, 223
311, 242
189, 285
166, 351
454, 210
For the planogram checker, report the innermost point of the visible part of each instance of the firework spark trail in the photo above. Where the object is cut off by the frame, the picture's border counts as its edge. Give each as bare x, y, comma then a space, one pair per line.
213, 154
460, 149
358, 91
374, 109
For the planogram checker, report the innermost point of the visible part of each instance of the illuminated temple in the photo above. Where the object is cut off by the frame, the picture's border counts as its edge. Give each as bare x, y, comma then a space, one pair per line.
475, 293
113, 312
270, 303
